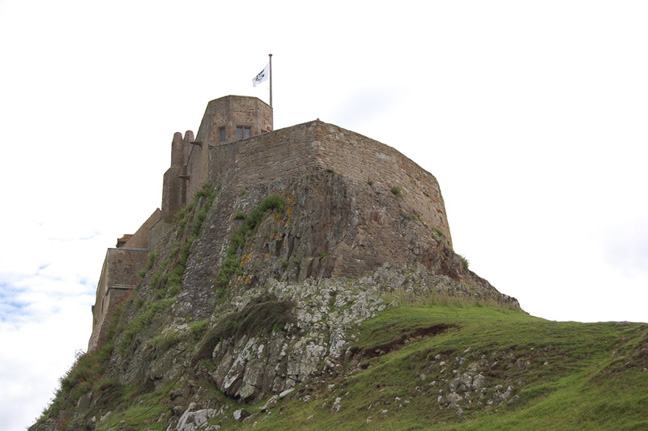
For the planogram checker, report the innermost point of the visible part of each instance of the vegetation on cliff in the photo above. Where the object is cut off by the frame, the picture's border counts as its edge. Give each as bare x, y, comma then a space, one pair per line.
486, 369
443, 367
241, 322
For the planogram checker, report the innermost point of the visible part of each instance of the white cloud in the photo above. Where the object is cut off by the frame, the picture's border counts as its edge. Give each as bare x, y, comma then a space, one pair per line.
626, 247
531, 116
367, 105
34, 356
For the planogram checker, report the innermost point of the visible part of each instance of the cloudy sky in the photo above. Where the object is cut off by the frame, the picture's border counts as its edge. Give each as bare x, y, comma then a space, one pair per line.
531, 114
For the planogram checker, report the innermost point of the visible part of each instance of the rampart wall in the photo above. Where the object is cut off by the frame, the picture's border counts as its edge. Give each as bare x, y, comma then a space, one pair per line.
140, 238
317, 145
118, 277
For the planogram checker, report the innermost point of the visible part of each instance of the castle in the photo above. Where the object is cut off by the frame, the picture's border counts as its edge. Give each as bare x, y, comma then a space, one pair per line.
236, 145
226, 120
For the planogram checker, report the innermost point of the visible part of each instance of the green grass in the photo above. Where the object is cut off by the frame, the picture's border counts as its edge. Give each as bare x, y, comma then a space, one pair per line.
564, 376
144, 318
189, 221
465, 263
141, 412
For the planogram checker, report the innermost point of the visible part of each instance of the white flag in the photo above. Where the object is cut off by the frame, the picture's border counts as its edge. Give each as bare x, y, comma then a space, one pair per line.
262, 76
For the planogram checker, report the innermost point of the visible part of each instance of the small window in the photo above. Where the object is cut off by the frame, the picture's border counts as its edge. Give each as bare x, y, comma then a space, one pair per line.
242, 132
223, 134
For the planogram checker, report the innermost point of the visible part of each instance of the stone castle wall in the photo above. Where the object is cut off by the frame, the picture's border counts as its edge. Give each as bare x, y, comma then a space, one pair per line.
316, 145
140, 238
118, 277
190, 157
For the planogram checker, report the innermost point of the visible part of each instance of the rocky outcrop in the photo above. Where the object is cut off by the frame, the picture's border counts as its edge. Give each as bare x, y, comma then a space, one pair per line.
257, 290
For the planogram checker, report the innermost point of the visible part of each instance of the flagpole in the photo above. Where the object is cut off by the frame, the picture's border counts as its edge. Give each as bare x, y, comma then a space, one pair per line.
270, 55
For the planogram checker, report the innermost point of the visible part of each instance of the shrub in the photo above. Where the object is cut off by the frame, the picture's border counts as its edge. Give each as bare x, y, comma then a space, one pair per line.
262, 315
232, 264
396, 191
206, 190
151, 261
464, 262
409, 216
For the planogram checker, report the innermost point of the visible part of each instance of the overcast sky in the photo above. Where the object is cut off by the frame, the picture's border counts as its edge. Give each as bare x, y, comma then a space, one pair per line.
531, 114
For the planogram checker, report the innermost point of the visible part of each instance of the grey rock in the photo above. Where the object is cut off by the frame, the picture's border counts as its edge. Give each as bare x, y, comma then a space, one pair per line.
270, 403
478, 382
240, 414
285, 393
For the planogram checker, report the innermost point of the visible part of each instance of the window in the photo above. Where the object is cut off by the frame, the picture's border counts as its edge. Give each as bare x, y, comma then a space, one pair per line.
242, 132
223, 134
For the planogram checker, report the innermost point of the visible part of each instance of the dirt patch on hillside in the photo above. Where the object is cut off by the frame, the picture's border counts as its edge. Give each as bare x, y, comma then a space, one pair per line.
403, 339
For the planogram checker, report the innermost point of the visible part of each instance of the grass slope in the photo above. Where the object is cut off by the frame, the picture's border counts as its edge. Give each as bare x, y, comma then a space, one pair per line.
562, 376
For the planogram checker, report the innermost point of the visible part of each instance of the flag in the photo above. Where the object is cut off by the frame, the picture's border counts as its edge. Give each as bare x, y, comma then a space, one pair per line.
262, 76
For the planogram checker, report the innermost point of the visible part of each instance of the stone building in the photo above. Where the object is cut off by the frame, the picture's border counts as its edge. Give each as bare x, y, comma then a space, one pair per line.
236, 148
228, 119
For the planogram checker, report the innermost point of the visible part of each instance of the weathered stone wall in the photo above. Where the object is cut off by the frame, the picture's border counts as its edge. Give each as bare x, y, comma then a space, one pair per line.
232, 111
174, 186
365, 160
118, 276
140, 239
189, 156
316, 145
264, 158
159, 232
196, 170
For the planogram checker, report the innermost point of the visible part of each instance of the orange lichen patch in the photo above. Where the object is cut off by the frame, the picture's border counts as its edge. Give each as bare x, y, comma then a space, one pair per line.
289, 211
246, 258
266, 255
247, 280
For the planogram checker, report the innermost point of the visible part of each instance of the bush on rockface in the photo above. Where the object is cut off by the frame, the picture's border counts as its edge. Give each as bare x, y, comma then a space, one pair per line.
261, 316
232, 264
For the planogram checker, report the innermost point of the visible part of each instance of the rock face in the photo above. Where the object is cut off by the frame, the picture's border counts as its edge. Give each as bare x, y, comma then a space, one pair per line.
258, 286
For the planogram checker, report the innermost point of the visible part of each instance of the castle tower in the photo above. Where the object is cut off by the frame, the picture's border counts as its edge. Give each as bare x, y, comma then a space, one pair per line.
232, 118
174, 189
227, 119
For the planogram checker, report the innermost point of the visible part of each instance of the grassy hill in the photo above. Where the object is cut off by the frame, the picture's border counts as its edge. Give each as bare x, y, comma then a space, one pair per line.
535, 375
422, 366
